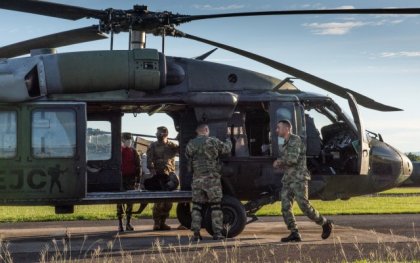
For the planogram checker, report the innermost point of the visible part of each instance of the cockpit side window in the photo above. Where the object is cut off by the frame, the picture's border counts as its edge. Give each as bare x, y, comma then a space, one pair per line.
8, 135
53, 133
316, 119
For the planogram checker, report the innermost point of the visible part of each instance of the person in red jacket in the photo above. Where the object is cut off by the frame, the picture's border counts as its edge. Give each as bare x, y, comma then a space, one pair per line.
130, 172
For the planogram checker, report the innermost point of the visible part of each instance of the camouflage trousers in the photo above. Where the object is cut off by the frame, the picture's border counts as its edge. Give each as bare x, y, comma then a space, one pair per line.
297, 191
128, 183
161, 211
209, 192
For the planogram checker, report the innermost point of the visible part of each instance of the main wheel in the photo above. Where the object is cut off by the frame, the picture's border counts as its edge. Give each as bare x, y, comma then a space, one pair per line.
183, 213
234, 217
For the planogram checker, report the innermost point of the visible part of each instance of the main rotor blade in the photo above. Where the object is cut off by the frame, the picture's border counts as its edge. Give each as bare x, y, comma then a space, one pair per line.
378, 11
205, 55
51, 9
319, 82
75, 36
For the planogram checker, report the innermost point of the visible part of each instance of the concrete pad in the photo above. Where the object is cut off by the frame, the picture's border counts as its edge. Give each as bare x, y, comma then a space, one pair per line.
85, 237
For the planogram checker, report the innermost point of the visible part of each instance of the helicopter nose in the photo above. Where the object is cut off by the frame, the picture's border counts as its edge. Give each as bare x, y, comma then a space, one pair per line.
389, 167
407, 167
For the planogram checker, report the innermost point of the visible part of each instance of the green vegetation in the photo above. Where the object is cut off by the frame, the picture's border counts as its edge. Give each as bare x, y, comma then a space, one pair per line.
382, 204
356, 205
406, 190
413, 157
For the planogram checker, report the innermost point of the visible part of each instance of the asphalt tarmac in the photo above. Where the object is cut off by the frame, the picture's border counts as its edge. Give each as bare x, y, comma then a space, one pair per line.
357, 237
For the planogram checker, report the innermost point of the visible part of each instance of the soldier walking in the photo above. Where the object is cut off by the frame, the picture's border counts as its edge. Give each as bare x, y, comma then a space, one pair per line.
161, 163
130, 170
295, 183
203, 154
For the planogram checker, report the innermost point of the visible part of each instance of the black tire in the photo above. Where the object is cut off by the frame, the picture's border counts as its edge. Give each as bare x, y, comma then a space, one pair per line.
183, 213
234, 217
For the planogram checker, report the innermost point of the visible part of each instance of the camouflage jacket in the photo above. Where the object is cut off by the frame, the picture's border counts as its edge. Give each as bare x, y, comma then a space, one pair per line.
293, 160
161, 157
203, 154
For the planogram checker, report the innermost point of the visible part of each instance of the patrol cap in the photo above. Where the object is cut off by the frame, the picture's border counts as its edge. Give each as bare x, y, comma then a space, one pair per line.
126, 136
287, 122
162, 129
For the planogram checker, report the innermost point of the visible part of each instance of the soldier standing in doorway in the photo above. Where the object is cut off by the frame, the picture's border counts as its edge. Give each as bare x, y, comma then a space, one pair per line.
295, 183
203, 154
161, 163
130, 171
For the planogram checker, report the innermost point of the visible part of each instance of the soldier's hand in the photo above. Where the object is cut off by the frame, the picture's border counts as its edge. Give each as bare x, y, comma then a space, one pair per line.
277, 164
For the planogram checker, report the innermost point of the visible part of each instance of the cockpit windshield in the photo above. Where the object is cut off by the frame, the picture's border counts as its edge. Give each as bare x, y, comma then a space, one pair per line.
331, 135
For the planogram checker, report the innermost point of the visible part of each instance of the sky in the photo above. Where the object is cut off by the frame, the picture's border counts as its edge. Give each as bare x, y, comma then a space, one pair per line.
375, 55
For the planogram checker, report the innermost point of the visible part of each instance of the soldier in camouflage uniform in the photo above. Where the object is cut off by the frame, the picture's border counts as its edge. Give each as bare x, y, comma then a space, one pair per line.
203, 154
161, 163
295, 183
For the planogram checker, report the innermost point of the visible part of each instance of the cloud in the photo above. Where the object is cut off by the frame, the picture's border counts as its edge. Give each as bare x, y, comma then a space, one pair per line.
400, 54
345, 7
320, 6
342, 28
333, 28
311, 6
219, 8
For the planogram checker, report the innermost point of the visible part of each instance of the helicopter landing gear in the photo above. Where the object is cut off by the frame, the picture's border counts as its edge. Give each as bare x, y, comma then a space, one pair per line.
183, 213
253, 206
234, 217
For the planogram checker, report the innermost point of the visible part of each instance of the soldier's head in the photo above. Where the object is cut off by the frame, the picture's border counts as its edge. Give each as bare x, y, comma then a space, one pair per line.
203, 129
284, 128
127, 139
162, 133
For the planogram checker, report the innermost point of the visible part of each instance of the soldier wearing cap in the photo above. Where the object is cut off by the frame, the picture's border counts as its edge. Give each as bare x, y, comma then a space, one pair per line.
295, 183
203, 154
130, 171
161, 163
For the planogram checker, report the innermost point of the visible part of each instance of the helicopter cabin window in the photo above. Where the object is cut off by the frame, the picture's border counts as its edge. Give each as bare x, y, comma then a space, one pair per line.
53, 133
8, 134
237, 134
249, 131
284, 113
98, 140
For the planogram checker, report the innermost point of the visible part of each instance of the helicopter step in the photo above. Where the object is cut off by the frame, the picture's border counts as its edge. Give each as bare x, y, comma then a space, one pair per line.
137, 196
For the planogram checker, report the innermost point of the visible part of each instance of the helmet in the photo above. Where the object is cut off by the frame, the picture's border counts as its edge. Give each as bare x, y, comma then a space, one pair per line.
173, 182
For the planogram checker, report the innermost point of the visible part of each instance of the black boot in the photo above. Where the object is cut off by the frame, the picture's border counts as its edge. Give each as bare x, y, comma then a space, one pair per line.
326, 229
218, 237
163, 226
293, 237
197, 236
128, 226
120, 225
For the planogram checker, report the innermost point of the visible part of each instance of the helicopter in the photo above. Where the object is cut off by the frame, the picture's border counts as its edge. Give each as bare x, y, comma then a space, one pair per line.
49, 156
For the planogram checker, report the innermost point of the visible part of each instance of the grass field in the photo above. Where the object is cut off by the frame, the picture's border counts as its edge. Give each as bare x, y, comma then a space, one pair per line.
359, 205
405, 190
